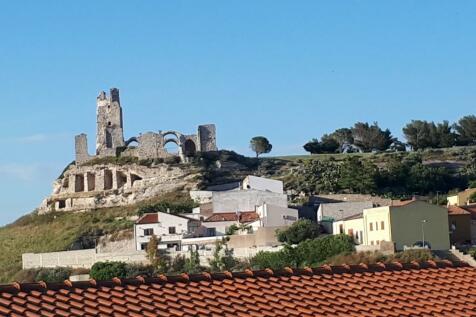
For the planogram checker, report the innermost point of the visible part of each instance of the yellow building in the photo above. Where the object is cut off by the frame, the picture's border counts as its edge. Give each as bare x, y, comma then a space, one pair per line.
404, 224
461, 198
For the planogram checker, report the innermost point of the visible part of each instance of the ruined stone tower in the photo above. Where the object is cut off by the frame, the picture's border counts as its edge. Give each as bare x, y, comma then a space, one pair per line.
110, 134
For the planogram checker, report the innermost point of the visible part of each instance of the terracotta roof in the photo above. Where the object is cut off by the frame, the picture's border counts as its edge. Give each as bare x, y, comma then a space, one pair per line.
471, 209
148, 218
455, 210
425, 289
247, 216
399, 203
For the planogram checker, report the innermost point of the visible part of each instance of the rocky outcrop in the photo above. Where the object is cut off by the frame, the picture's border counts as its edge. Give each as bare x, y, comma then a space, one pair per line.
89, 187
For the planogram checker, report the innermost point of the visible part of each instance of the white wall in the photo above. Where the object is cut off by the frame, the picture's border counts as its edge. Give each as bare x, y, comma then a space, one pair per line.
79, 258
273, 216
161, 229
246, 200
263, 184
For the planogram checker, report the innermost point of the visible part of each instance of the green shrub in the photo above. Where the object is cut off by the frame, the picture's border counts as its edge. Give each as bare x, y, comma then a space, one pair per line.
108, 270
299, 231
135, 269
307, 253
58, 274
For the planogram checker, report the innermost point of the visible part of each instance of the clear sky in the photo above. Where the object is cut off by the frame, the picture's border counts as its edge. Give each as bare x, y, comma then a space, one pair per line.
288, 70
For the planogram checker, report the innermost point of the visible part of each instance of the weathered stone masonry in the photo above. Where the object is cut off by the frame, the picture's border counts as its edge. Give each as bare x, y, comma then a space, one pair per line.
110, 136
86, 186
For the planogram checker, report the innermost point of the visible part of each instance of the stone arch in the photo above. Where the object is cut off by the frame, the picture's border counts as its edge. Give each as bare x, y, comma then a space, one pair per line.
174, 141
132, 141
189, 148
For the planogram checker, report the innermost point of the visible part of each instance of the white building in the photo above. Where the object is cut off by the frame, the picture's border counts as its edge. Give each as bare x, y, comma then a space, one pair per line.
169, 228
262, 184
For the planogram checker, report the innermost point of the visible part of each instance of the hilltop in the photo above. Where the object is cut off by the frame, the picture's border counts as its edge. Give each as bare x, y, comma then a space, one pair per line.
57, 230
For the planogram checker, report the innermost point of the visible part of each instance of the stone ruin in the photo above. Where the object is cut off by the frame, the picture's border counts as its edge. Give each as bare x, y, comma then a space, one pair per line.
150, 145
88, 184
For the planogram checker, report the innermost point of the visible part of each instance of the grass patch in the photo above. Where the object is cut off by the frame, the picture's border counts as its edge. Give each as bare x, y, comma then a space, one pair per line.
61, 231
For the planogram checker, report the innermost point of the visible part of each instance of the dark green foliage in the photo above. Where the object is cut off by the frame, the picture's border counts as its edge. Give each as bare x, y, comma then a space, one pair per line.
231, 230
178, 264
466, 128
260, 145
326, 145
371, 137
108, 270
354, 258
299, 231
307, 253
175, 206
472, 198
423, 134
134, 270
192, 264
272, 260
223, 259
358, 176
53, 275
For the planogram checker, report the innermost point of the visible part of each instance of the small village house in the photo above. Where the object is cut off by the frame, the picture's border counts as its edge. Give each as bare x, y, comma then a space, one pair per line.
404, 223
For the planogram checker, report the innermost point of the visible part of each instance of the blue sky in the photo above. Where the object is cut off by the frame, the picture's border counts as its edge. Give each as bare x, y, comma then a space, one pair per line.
289, 70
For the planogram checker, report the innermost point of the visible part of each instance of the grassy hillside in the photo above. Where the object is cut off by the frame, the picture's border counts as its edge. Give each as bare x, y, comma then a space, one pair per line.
65, 231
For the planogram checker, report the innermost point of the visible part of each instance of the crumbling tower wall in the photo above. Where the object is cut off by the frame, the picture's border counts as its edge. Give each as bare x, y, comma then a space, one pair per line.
110, 129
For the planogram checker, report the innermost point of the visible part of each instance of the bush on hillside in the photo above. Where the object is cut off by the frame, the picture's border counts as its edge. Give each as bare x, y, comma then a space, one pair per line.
299, 231
307, 253
108, 270
369, 257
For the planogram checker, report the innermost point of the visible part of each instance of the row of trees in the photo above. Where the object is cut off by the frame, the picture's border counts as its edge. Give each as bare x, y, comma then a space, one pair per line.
419, 134
399, 177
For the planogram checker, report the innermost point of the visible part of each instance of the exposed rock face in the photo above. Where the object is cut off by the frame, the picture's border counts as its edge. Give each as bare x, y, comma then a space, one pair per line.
84, 187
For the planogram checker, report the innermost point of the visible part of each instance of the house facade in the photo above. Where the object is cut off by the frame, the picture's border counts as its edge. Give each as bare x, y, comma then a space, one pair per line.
461, 198
169, 228
405, 224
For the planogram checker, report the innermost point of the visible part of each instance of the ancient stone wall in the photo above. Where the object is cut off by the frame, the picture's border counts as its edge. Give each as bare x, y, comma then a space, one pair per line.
207, 137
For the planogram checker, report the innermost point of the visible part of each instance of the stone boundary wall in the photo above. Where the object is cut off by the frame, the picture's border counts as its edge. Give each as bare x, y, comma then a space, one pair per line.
79, 258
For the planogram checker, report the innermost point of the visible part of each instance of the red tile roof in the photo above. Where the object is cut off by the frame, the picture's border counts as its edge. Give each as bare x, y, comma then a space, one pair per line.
148, 218
425, 289
455, 210
471, 209
247, 216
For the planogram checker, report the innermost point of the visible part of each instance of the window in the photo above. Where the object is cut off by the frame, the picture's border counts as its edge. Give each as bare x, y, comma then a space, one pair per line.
211, 232
143, 246
382, 226
148, 232
350, 232
371, 243
371, 227
171, 230
378, 242
376, 225
357, 235
341, 228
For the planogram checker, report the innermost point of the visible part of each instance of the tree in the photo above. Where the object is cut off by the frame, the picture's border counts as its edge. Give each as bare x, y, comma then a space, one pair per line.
423, 134
192, 264
260, 145
327, 145
371, 137
299, 231
223, 259
152, 250
342, 136
357, 176
418, 134
108, 270
466, 128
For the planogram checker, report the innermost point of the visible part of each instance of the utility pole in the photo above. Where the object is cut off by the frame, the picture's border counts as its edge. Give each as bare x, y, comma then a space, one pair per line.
423, 232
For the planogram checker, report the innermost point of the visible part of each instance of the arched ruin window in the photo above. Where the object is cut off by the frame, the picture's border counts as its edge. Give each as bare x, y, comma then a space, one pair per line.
189, 148
171, 146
